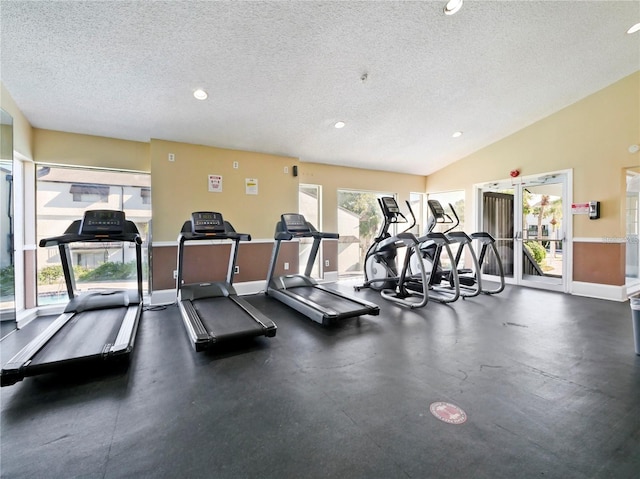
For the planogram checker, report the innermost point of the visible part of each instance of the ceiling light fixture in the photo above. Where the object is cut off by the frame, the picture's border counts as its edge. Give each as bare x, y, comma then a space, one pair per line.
457, 134
340, 124
200, 94
452, 7
634, 29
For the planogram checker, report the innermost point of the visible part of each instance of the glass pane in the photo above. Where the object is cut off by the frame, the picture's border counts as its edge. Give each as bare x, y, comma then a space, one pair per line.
359, 221
7, 260
309, 206
542, 230
497, 220
453, 204
632, 269
417, 201
63, 195
7, 290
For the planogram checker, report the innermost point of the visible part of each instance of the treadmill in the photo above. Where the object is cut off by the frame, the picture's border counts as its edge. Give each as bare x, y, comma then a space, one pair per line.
96, 326
213, 313
300, 291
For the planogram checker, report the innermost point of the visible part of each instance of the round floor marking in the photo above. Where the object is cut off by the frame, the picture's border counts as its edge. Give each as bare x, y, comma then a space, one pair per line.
448, 412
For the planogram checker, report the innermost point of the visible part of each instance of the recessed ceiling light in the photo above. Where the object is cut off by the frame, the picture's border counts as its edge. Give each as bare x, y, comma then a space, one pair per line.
634, 29
452, 7
457, 134
340, 124
200, 94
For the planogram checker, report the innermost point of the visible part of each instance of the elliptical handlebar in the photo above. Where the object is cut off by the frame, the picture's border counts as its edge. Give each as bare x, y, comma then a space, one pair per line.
413, 216
457, 219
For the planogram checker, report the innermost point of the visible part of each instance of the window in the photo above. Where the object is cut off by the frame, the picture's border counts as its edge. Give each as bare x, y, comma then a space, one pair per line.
359, 221
633, 221
89, 193
418, 203
451, 201
7, 258
309, 201
145, 194
453, 204
62, 196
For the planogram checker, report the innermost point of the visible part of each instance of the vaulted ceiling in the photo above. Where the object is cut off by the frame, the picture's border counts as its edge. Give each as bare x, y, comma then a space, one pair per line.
401, 75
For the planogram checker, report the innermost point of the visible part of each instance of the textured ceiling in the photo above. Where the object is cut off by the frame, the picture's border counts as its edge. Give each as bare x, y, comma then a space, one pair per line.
281, 73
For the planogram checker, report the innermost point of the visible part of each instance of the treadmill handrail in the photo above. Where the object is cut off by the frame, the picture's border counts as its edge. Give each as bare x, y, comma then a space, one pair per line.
72, 235
77, 238
287, 236
214, 236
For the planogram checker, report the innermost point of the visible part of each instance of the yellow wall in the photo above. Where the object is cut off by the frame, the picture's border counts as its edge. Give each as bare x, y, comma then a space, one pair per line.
332, 178
181, 187
86, 150
591, 137
22, 131
6, 142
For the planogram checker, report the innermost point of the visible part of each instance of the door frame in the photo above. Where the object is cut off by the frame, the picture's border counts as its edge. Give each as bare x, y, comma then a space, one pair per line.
518, 184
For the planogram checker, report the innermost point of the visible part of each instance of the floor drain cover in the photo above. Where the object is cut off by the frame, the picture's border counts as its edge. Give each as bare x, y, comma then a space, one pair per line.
448, 412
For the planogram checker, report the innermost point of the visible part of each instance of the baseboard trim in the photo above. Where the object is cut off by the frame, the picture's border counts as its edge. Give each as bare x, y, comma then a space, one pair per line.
168, 296
600, 291
162, 297
330, 277
633, 289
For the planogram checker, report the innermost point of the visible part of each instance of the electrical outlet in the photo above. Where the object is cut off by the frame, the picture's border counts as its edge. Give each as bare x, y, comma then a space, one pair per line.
175, 274
286, 266
326, 263
236, 165
172, 157
236, 270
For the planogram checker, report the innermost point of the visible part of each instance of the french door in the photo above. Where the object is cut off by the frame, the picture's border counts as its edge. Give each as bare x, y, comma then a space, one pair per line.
530, 219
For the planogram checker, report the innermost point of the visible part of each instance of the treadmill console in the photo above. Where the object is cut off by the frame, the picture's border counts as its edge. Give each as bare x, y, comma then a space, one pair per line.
207, 222
295, 223
102, 222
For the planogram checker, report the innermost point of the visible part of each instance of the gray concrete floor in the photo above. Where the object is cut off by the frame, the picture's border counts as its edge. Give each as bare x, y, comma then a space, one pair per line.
550, 384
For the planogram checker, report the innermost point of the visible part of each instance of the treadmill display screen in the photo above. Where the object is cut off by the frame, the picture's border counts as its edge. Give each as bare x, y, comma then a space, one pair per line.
207, 222
295, 223
102, 222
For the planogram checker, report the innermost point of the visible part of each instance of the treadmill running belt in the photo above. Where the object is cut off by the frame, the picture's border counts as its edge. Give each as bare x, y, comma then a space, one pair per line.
221, 317
84, 335
328, 301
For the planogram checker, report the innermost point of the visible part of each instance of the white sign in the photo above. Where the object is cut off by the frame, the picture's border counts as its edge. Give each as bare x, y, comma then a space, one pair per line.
251, 186
215, 183
580, 208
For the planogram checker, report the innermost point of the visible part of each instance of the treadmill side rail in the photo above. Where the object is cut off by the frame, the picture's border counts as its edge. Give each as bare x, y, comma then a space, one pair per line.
198, 334
268, 325
13, 372
127, 333
374, 309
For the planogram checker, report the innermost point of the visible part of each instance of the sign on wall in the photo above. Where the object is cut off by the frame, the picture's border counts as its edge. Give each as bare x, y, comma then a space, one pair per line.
580, 208
215, 183
251, 186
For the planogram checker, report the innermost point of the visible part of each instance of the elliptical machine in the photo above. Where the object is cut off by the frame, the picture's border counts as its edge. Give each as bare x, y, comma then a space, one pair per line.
380, 268
443, 285
470, 279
